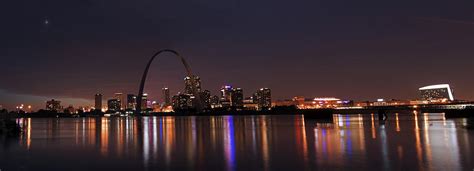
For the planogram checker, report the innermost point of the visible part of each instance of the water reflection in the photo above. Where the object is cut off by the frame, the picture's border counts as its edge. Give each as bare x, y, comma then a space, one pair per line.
404, 141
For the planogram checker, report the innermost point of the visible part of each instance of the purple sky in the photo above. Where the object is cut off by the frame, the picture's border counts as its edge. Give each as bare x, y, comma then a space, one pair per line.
358, 50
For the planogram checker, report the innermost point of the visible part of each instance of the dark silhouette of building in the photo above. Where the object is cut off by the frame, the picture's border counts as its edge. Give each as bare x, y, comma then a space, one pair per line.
98, 101
131, 101
144, 102
215, 102
206, 99
113, 105
237, 98
53, 105
70, 110
166, 96
264, 99
120, 98
181, 102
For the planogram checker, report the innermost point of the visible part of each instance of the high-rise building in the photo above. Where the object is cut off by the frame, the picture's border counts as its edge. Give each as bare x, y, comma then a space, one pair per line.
264, 99
206, 99
144, 101
255, 97
120, 98
131, 101
436, 92
114, 105
166, 96
54, 105
98, 101
188, 85
226, 96
237, 98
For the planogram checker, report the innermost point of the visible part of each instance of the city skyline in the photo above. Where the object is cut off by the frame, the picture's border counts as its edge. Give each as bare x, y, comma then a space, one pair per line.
425, 93
236, 85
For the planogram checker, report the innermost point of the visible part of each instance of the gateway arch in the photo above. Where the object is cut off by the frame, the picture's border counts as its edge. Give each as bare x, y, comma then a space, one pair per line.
188, 73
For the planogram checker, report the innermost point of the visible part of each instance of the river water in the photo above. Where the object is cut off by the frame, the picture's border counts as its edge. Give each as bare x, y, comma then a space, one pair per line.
350, 142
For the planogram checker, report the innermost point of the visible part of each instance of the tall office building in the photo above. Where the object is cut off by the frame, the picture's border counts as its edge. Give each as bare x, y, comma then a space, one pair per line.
188, 85
226, 96
237, 98
144, 101
131, 101
264, 99
206, 99
166, 96
98, 101
120, 98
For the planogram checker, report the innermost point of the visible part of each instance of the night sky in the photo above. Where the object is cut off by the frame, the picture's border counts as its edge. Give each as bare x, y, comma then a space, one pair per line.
362, 50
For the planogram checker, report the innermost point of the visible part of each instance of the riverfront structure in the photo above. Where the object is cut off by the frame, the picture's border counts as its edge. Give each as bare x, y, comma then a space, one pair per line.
437, 92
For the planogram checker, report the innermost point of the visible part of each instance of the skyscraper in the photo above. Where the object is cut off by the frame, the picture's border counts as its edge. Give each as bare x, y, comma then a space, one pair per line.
206, 99
166, 96
188, 85
144, 101
264, 99
226, 96
120, 98
131, 101
98, 102
237, 98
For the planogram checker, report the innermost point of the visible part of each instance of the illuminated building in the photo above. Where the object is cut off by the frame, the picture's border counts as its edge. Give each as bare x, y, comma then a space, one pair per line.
120, 98
206, 99
226, 96
156, 106
264, 99
255, 97
237, 98
98, 101
131, 101
144, 101
215, 102
285, 102
315, 103
249, 104
114, 105
231, 97
439, 92
53, 105
188, 85
181, 102
392, 102
166, 96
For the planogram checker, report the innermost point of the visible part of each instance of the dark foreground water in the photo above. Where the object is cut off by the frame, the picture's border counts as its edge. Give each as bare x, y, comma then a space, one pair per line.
350, 142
